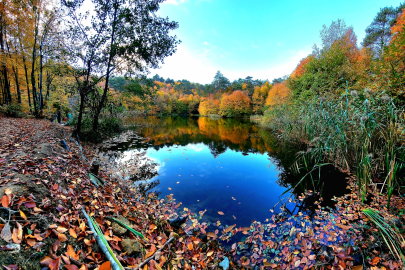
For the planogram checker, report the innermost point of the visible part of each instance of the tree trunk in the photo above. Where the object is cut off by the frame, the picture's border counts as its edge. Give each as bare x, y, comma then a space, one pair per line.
41, 97
6, 88
34, 88
79, 118
15, 70
104, 97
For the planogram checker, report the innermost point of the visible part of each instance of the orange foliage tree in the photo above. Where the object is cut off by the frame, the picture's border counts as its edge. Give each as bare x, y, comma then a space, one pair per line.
235, 104
393, 72
259, 97
278, 94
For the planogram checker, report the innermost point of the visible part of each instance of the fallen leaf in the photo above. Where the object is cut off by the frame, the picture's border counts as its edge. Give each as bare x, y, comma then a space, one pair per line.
228, 229
31, 242
221, 213
6, 233
8, 191
190, 246
62, 237
23, 215
5, 201
46, 261
105, 266
210, 253
61, 229
71, 267
55, 264
71, 253
72, 233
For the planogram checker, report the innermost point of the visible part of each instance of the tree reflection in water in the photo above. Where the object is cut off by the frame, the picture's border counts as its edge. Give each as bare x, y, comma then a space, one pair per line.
239, 135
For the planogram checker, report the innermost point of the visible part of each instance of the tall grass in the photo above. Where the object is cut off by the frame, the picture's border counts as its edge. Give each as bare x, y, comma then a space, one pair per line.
362, 133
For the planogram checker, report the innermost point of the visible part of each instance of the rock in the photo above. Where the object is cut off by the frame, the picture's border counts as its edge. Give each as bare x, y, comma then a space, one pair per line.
131, 246
43, 150
118, 229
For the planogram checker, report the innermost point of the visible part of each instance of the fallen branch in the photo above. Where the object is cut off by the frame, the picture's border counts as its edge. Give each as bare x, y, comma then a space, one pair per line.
103, 247
153, 256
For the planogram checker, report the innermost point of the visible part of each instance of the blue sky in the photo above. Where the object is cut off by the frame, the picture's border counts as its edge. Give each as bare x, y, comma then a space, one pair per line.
264, 39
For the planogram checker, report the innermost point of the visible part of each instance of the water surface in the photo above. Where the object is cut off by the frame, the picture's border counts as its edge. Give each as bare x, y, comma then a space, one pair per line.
221, 165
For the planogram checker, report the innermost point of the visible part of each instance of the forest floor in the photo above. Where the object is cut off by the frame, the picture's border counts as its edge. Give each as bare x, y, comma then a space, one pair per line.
44, 187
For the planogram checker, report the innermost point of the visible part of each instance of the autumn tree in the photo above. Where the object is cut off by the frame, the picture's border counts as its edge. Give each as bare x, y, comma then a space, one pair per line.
235, 104
279, 94
259, 97
393, 63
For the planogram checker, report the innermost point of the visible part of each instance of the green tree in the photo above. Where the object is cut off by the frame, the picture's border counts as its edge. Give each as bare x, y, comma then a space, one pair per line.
220, 81
118, 36
378, 33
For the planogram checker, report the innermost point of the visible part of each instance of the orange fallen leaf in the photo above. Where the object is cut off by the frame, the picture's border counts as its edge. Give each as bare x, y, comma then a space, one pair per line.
105, 266
62, 237
148, 254
169, 188
71, 253
5, 201
190, 246
221, 213
8, 191
72, 233
31, 242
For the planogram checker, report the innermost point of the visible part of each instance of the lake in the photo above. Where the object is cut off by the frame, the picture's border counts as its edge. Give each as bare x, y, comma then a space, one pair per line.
230, 167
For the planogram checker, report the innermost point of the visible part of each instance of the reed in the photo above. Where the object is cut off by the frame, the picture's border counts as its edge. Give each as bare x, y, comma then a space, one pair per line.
362, 133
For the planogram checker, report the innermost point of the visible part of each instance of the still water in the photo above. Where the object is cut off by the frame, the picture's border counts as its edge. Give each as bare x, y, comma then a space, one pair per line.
230, 167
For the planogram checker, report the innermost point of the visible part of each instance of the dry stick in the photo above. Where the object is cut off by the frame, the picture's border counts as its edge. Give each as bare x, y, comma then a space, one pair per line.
100, 243
153, 256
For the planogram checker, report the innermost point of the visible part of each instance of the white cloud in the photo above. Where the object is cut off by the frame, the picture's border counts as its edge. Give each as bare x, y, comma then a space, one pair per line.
195, 67
206, 43
186, 65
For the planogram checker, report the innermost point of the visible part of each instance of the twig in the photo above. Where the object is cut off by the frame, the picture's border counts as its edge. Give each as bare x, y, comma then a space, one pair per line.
153, 256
